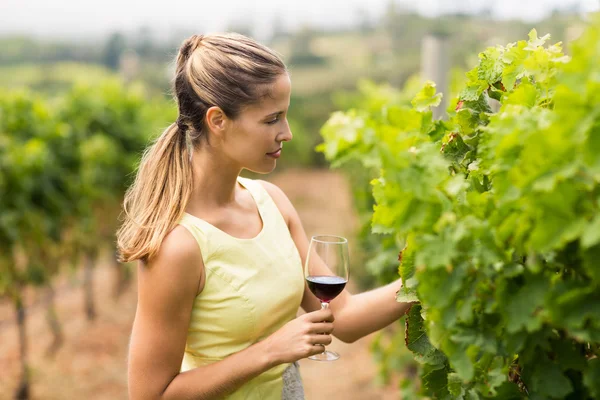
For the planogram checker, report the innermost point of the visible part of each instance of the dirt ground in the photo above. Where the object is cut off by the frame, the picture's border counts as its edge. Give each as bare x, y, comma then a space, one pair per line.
92, 362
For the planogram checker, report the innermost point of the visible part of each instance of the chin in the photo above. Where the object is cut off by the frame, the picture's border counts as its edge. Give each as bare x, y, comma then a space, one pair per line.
263, 170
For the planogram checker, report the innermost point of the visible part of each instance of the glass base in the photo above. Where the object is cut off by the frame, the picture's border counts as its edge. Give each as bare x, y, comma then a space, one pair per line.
325, 356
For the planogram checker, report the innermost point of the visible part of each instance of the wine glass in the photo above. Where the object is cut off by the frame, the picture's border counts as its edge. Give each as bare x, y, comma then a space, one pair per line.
326, 273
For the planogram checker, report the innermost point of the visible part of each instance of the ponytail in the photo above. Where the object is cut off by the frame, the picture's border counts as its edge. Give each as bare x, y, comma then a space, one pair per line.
156, 201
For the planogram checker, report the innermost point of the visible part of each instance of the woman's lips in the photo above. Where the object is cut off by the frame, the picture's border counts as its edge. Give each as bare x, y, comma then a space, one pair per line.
275, 154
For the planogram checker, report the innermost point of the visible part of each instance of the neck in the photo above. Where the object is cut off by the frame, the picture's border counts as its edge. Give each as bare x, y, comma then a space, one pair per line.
215, 180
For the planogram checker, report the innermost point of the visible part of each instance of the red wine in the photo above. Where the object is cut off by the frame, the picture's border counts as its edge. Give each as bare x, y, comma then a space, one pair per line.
326, 288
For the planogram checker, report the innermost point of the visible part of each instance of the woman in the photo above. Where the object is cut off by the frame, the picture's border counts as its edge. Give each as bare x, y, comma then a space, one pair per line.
220, 273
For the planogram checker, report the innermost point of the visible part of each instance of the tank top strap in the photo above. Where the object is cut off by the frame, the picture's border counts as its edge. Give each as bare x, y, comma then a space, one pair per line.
266, 205
257, 191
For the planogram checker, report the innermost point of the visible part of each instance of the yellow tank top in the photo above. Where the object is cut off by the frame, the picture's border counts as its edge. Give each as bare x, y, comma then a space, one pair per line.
253, 287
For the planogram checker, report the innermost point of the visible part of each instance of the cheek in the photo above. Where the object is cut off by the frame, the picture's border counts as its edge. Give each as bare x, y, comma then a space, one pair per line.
249, 140
257, 134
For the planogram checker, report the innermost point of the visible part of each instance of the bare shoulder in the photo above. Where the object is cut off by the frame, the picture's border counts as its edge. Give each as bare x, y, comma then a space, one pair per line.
180, 245
178, 264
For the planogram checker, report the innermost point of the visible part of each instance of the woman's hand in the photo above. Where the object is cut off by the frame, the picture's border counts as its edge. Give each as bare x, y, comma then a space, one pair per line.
302, 337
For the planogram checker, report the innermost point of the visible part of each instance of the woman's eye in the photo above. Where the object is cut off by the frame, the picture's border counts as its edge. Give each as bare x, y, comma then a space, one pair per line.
273, 122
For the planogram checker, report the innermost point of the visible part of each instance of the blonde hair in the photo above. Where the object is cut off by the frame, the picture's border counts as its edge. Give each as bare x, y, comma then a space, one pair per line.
225, 70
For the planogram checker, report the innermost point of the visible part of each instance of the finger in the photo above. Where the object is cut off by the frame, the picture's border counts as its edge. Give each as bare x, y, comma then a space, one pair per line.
320, 339
321, 327
321, 315
317, 349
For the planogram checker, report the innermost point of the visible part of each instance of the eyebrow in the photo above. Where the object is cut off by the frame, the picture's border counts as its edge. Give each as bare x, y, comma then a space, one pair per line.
274, 114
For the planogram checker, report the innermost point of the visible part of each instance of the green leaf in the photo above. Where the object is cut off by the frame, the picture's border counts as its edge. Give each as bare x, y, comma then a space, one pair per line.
522, 307
591, 378
472, 395
455, 386
548, 380
427, 98
406, 295
435, 382
524, 95
491, 65
417, 341
460, 360
576, 307
455, 148
475, 86
534, 41
407, 262
590, 262
591, 233
436, 252
508, 391
568, 355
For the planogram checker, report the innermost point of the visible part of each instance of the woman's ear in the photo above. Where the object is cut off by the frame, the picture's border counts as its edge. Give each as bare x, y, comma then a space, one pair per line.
216, 120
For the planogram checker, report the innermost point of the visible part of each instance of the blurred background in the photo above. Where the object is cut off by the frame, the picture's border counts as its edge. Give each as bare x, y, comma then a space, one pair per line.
85, 87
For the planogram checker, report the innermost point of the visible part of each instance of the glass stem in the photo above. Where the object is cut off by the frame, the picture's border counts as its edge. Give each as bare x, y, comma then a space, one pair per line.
324, 306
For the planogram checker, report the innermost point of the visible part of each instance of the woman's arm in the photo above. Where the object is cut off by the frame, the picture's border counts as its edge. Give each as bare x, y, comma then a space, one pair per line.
167, 287
355, 315
364, 313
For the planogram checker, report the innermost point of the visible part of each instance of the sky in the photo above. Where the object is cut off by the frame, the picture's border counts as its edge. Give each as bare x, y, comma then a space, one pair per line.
85, 18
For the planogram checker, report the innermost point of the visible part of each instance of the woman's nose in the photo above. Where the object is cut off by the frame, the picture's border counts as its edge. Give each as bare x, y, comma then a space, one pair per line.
287, 134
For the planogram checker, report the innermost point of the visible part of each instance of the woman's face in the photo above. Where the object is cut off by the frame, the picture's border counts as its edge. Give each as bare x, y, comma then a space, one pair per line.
255, 138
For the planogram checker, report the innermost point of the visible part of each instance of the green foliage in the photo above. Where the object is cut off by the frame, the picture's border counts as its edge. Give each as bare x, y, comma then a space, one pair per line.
497, 216
64, 165
50, 78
